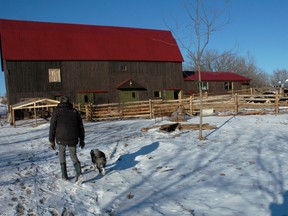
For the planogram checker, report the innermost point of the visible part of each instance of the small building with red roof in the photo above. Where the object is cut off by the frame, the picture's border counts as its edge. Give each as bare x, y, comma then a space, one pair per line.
215, 82
95, 64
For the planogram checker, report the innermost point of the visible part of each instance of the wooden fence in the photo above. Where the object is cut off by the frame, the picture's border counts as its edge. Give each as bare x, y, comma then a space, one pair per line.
230, 104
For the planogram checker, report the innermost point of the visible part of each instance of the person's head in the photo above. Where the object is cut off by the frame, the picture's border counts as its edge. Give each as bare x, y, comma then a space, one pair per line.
64, 99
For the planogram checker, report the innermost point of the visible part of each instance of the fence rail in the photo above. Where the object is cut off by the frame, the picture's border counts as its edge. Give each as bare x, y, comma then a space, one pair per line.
232, 103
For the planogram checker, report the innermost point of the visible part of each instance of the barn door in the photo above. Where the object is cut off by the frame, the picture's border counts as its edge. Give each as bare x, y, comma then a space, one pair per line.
172, 94
127, 96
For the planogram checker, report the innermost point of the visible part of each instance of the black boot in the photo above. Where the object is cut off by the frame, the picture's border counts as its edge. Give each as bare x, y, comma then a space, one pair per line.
64, 171
78, 170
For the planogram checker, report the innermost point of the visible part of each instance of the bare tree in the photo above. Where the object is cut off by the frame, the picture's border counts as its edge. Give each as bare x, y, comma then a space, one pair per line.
279, 77
203, 22
229, 61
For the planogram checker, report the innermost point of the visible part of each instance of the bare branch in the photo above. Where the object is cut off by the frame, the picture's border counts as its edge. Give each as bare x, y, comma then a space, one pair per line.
202, 23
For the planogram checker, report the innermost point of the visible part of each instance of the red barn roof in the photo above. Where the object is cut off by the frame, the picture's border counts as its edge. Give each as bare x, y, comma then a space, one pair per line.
130, 84
27, 40
217, 77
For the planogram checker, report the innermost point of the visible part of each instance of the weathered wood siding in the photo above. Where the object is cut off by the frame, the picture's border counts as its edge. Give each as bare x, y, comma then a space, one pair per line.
30, 79
213, 87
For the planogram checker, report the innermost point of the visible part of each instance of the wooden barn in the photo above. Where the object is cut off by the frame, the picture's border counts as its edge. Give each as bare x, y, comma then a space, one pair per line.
90, 64
215, 82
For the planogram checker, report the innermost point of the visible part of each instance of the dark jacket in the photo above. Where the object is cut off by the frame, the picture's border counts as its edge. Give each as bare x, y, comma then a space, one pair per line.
66, 125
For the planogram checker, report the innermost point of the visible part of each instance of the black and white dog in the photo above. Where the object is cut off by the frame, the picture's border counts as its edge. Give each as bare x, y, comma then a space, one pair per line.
98, 159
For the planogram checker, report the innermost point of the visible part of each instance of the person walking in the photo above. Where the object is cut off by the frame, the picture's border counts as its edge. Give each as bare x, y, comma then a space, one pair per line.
66, 127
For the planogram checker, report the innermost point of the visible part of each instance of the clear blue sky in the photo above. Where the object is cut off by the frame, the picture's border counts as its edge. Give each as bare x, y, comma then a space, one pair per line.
255, 26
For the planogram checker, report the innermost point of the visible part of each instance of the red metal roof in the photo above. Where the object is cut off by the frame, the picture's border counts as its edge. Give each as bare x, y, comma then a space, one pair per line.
217, 77
93, 91
130, 84
27, 40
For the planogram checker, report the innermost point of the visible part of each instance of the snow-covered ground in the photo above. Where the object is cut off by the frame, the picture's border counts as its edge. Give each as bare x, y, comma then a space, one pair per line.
241, 169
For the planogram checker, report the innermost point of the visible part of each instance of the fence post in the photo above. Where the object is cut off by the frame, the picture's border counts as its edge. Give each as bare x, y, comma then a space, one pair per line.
191, 105
277, 103
87, 111
150, 108
91, 111
236, 109
12, 113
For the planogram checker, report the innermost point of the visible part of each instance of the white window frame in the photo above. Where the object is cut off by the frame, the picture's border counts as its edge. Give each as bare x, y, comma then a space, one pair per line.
228, 85
159, 93
204, 86
123, 67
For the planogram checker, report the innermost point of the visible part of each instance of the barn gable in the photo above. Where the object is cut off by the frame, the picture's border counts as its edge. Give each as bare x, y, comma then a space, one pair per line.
130, 85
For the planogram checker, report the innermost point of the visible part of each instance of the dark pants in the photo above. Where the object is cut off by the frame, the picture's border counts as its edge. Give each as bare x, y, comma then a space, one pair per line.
72, 152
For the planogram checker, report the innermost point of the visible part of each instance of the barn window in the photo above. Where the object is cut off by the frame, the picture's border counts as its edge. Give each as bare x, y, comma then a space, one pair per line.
133, 95
123, 68
204, 86
54, 75
227, 85
157, 94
